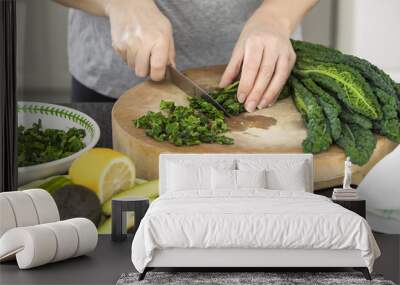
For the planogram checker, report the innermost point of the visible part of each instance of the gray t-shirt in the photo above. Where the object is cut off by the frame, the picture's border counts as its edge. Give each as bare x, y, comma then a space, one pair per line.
205, 33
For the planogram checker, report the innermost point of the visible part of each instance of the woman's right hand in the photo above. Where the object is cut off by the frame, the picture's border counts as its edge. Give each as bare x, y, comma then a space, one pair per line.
142, 36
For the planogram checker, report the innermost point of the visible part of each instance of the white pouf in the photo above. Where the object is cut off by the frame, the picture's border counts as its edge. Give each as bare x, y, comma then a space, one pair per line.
66, 237
87, 235
7, 218
45, 205
32, 246
23, 208
40, 244
26, 208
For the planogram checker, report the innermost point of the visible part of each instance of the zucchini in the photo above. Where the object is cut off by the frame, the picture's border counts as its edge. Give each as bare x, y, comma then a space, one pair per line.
148, 190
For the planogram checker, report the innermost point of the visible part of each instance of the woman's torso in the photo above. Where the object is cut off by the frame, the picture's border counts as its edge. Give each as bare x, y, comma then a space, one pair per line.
205, 33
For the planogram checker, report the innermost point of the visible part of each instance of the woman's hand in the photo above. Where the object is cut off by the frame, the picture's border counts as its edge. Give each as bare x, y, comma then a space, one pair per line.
142, 36
265, 56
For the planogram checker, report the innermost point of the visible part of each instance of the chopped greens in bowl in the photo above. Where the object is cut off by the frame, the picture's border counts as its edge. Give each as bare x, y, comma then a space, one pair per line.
50, 137
37, 145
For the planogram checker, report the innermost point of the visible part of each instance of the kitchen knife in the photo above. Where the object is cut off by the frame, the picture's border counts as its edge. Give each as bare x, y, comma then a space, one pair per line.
188, 86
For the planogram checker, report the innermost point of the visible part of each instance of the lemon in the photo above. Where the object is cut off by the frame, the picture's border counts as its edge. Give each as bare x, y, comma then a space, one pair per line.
104, 171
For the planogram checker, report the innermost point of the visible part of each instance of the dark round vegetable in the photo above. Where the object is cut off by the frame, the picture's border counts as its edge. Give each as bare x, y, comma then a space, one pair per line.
77, 201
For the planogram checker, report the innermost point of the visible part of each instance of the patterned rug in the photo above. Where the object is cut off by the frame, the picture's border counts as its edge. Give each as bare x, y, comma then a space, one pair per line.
243, 278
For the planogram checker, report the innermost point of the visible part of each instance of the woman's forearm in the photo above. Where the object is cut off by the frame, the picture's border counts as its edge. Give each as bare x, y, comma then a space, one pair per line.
289, 13
95, 7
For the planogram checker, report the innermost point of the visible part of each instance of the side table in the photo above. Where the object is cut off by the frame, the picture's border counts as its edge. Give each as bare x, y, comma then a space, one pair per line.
119, 207
356, 206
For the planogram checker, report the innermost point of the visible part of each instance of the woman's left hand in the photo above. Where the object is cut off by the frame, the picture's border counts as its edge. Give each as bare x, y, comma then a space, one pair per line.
265, 57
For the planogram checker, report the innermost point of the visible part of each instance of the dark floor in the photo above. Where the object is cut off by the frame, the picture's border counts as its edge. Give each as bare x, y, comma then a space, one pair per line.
110, 260
389, 262
103, 266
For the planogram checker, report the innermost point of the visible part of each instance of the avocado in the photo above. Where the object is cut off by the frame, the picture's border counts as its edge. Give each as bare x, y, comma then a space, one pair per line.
77, 201
147, 189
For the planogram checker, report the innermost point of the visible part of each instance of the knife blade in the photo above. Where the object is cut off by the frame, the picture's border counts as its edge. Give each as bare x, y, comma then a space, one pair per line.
191, 88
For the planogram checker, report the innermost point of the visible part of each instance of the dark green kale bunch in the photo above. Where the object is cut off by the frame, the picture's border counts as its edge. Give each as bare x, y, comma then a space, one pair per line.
357, 98
36, 145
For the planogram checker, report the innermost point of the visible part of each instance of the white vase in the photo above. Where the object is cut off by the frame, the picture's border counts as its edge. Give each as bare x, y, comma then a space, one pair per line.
381, 186
381, 189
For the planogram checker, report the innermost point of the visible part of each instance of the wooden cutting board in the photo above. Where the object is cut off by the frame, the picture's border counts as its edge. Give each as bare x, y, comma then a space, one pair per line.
278, 129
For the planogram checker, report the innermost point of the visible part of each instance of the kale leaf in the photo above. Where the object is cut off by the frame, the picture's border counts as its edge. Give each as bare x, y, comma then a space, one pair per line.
389, 126
319, 53
318, 133
350, 117
358, 143
330, 106
350, 87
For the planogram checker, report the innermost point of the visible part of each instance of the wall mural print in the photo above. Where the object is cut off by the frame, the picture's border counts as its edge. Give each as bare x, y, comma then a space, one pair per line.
334, 105
206, 134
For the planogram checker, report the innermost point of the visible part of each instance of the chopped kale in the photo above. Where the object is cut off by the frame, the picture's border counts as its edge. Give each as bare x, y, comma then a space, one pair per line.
36, 145
199, 123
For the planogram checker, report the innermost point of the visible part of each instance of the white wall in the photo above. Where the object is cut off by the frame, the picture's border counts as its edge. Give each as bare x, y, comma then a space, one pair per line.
318, 25
371, 29
42, 46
